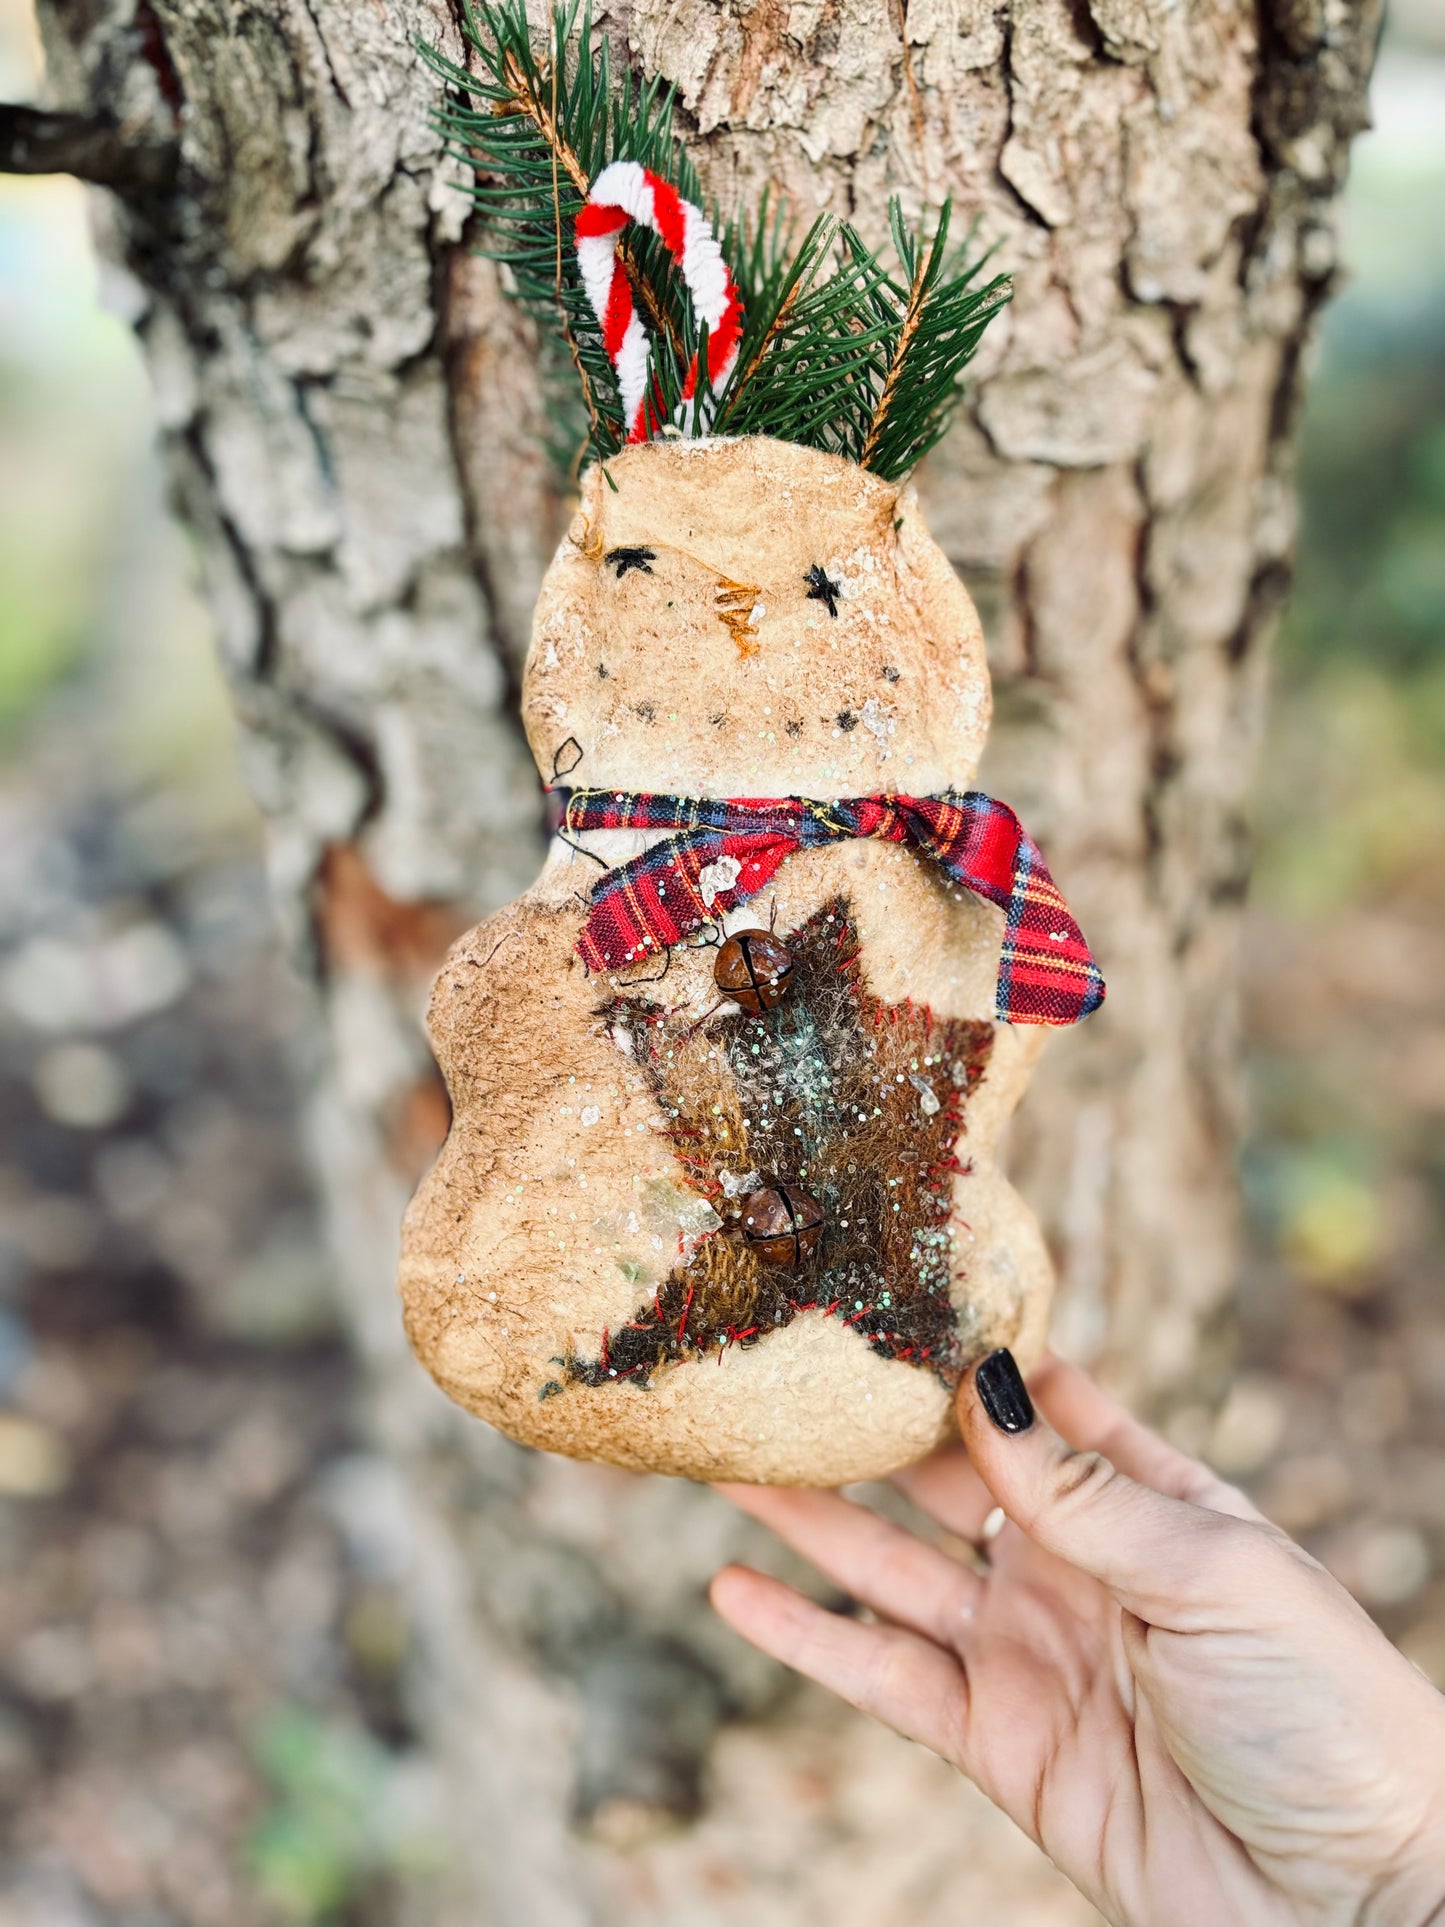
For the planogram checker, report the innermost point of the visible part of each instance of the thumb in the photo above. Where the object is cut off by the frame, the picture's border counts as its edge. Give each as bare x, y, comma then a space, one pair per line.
1170, 1563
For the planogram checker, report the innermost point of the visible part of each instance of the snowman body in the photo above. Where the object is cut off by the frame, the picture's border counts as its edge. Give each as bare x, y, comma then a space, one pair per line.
734, 619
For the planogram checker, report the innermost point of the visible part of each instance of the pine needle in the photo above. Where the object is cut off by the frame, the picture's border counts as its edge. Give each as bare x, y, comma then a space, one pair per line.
899, 360
567, 335
529, 101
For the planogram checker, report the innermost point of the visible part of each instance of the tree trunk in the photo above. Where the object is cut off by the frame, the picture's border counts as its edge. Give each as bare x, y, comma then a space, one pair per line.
352, 425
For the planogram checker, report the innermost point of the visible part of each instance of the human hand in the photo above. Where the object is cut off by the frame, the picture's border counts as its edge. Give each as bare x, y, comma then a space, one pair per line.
1196, 1723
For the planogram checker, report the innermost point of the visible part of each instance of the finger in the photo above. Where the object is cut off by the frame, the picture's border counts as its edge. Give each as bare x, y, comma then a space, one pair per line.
1092, 1421
946, 1487
878, 1563
907, 1682
1172, 1563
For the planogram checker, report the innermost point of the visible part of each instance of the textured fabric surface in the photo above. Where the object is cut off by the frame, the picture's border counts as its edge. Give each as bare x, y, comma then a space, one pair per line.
725, 851
855, 1104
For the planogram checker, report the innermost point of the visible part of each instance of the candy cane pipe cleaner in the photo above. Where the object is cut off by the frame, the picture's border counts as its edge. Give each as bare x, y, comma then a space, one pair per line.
626, 191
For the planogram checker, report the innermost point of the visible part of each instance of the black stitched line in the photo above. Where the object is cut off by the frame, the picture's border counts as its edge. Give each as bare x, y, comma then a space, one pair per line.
822, 588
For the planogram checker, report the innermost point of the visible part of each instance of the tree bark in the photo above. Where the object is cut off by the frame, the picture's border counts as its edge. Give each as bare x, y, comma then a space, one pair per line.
352, 425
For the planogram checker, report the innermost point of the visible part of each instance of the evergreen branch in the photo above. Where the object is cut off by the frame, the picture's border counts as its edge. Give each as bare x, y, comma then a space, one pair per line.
506, 121
537, 128
835, 352
917, 287
826, 357
940, 320
772, 301
853, 360
530, 102
558, 160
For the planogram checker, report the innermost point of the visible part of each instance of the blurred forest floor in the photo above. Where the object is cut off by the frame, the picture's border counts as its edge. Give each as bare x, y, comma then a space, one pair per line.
202, 1640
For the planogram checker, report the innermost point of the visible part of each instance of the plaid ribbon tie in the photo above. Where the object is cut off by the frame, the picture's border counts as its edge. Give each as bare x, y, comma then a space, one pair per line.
723, 852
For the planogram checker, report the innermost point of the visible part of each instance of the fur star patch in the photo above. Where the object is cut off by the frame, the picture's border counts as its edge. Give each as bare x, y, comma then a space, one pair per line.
857, 1103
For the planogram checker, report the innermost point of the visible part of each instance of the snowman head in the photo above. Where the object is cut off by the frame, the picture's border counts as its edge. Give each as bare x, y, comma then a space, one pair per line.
748, 617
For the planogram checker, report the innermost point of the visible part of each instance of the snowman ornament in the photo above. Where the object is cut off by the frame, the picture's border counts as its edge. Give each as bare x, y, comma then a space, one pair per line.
720, 1196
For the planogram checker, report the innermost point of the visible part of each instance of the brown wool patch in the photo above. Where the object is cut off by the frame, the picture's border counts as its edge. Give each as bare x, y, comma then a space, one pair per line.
835, 1092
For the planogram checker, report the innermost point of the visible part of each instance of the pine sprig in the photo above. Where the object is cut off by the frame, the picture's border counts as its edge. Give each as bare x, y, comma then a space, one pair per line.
824, 356
537, 126
836, 352
940, 318
907, 334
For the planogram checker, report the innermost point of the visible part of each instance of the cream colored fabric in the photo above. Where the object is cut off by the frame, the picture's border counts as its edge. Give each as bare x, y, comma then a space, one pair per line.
557, 1197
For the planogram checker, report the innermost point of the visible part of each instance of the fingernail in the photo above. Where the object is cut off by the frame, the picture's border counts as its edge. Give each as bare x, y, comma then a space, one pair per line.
1002, 1392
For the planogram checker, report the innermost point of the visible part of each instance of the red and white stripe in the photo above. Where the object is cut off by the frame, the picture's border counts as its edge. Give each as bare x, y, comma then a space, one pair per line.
626, 191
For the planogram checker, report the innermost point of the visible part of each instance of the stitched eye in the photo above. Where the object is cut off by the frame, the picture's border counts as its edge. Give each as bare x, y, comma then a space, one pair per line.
624, 559
822, 588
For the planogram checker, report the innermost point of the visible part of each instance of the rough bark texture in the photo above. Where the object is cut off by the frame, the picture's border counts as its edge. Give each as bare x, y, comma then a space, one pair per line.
348, 408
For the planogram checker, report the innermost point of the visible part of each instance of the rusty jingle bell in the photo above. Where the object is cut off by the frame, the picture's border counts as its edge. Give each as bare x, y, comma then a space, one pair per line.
782, 1224
755, 970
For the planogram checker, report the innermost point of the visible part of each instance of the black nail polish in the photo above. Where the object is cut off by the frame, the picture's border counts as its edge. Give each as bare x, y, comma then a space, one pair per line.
1002, 1393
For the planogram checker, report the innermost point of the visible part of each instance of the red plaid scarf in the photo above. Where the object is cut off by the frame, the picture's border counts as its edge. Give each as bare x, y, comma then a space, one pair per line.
722, 853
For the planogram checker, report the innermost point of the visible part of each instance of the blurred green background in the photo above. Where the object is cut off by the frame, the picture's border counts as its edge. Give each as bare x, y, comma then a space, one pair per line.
284, 1783
1345, 1162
